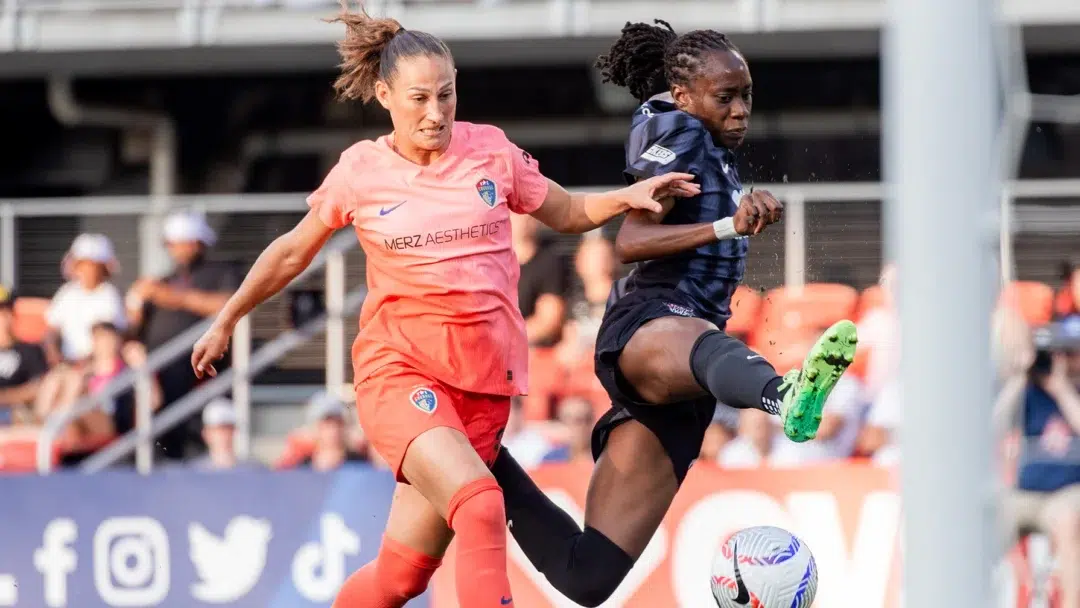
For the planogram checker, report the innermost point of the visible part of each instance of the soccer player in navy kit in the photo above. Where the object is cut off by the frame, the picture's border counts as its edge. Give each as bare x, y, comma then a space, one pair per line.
661, 353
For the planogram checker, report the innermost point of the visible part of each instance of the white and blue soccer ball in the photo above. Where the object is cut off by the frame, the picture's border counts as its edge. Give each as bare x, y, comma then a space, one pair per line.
764, 567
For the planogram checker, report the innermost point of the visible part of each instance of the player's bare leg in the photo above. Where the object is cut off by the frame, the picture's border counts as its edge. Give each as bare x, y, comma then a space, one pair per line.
451, 492
673, 359
414, 543
443, 466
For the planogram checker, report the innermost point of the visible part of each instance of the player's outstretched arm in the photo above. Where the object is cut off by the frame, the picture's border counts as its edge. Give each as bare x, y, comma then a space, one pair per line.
575, 213
643, 236
281, 262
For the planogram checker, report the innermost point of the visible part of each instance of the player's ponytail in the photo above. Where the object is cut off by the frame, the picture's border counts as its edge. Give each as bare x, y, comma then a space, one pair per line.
371, 49
636, 60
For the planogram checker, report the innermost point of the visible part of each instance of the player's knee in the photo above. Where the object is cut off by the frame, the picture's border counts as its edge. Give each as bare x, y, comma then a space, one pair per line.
595, 569
594, 589
404, 580
479, 503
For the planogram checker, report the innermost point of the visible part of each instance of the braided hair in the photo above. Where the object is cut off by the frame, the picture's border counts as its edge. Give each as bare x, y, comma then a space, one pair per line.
648, 59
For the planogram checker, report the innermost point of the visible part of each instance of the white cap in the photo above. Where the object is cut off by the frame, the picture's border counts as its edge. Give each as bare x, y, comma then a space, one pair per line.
189, 227
324, 405
219, 412
94, 248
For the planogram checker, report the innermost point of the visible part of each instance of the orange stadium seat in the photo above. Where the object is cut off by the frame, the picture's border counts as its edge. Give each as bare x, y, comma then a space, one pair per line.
871, 298
745, 311
785, 349
20, 456
30, 323
1033, 300
813, 306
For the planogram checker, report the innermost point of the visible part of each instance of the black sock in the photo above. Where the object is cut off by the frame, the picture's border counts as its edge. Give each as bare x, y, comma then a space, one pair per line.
771, 397
585, 566
734, 374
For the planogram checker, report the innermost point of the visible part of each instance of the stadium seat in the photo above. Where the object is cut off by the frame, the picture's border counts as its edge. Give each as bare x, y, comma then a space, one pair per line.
745, 312
814, 306
1033, 300
785, 349
30, 323
20, 456
871, 298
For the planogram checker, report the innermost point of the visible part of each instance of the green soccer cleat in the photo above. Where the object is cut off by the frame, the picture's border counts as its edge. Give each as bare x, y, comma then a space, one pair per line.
807, 389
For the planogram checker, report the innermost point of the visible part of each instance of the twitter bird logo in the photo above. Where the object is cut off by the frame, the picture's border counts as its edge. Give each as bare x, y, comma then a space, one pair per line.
230, 566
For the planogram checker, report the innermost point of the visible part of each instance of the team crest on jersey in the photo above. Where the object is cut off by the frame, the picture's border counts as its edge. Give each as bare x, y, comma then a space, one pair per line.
487, 191
424, 399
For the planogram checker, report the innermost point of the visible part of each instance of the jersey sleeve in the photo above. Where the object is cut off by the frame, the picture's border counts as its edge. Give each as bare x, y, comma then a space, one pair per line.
334, 201
666, 143
530, 187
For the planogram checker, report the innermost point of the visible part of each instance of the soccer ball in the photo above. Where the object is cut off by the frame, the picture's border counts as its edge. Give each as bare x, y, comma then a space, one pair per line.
764, 567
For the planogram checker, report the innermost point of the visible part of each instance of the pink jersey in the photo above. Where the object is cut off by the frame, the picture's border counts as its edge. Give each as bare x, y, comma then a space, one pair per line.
442, 277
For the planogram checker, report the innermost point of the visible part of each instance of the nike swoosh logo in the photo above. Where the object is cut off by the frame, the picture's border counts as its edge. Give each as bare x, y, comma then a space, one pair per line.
742, 596
387, 210
506, 601
752, 357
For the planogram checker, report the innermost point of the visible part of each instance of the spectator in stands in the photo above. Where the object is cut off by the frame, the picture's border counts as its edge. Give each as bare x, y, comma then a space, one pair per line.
87, 298
219, 433
1047, 494
841, 421
526, 442
542, 283
576, 416
332, 450
720, 433
163, 308
754, 444
22, 366
595, 267
1067, 301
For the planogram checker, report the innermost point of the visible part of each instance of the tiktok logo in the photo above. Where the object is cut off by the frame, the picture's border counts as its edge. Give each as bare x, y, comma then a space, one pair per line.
318, 569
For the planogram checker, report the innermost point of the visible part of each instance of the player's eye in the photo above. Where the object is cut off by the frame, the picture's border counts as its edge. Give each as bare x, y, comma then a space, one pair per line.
725, 99
418, 98
445, 96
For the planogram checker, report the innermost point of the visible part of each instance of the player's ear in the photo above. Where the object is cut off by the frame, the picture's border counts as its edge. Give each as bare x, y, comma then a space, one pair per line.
681, 95
382, 93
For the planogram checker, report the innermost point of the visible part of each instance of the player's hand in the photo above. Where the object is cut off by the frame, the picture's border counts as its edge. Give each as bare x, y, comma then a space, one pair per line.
756, 211
211, 347
647, 193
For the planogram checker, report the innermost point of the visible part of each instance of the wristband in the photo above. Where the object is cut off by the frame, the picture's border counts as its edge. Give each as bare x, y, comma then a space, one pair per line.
724, 229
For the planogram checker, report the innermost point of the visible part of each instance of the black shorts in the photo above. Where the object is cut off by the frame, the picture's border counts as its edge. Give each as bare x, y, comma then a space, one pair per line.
680, 426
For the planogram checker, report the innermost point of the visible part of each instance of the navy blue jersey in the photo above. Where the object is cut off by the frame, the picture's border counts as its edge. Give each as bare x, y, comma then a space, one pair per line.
664, 140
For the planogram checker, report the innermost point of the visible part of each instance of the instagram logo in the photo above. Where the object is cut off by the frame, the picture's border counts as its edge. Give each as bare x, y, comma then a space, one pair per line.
131, 561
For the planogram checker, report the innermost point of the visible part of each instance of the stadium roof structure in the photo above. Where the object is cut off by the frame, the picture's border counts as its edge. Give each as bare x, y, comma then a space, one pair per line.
85, 37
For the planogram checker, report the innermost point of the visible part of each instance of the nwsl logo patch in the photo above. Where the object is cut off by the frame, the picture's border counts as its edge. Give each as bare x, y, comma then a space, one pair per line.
487, 191
424, 399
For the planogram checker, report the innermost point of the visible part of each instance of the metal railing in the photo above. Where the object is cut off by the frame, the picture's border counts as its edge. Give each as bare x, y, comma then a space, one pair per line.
1023, 219
238, 378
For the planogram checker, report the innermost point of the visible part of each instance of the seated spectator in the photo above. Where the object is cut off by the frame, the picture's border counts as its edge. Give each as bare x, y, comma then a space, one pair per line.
526, 442
719, 434
1067, 301
88, 298
576, 415
1046, 399
841, 420
160, 309
22, 366
879, 437
753, 446
219, 433
595, 267
542, 283
332, 448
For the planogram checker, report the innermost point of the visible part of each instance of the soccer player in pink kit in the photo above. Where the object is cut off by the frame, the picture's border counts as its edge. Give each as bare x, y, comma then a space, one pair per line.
442, 344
